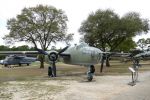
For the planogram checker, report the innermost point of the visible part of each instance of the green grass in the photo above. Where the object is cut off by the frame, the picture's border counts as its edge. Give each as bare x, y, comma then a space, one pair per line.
33, 72
119, 68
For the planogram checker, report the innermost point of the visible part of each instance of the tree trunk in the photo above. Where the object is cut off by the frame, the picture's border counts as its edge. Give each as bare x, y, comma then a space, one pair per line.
42, 64
41, 59
102, 65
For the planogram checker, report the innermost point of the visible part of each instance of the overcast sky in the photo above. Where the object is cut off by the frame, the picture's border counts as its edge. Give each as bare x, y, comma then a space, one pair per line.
76, 11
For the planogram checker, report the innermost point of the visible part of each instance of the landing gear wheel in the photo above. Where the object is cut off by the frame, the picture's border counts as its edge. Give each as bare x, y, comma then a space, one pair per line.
90, 78
5, 65
50, 74
90, 73
19, 64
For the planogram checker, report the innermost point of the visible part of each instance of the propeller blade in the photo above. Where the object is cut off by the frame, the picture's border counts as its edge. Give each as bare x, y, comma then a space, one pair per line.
63, 50
42, 51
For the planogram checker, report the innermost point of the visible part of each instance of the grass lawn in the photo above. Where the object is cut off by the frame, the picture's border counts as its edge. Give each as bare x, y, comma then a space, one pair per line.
33, 72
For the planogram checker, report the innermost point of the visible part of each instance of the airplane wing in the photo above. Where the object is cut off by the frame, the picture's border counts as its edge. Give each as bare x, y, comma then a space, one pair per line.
117, 54
143, 55
19, 52
136, 54
39, 51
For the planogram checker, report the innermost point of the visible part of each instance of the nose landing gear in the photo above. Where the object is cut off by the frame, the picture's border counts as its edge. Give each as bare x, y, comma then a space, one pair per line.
90, 73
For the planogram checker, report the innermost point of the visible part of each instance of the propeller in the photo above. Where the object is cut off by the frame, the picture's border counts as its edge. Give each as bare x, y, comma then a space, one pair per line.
41, 51
53, 56
64, 49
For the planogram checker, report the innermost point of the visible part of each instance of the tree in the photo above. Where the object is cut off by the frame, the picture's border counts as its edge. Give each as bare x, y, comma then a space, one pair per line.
14, 48
22, 48
105, 29
130, 25
3, 48
40, 25
126, 45
96, 29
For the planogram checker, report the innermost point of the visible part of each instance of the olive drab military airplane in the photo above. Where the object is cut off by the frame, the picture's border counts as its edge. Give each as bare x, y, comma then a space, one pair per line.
81, 54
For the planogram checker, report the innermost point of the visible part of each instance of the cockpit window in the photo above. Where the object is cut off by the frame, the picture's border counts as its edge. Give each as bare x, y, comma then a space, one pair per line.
82, 45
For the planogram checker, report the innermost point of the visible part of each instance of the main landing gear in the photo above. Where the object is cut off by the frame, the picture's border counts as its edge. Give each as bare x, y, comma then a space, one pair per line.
52, 70
90, 73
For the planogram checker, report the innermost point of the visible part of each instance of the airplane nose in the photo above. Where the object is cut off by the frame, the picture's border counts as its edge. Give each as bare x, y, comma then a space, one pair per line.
95, 53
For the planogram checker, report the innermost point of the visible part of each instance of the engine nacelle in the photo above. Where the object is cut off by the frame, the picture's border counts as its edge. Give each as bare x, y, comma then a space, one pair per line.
53, 56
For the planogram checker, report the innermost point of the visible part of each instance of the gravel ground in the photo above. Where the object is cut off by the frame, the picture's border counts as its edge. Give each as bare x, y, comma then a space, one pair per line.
141, 91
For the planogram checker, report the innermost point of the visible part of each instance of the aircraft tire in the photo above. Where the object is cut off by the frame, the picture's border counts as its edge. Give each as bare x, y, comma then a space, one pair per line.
50, 74
90, 78
5, 65
27, 64
19, 64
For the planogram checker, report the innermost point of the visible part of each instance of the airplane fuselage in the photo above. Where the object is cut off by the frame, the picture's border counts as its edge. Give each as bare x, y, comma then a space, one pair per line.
80, 55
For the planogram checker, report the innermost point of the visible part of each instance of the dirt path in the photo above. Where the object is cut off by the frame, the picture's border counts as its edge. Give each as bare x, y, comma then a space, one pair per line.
141, 91
102, 88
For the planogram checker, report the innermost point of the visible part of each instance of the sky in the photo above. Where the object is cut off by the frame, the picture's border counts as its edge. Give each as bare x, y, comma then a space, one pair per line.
76, 10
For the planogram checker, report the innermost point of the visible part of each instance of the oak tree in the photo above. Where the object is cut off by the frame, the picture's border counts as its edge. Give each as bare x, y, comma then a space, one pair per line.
40, 25
106, 29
